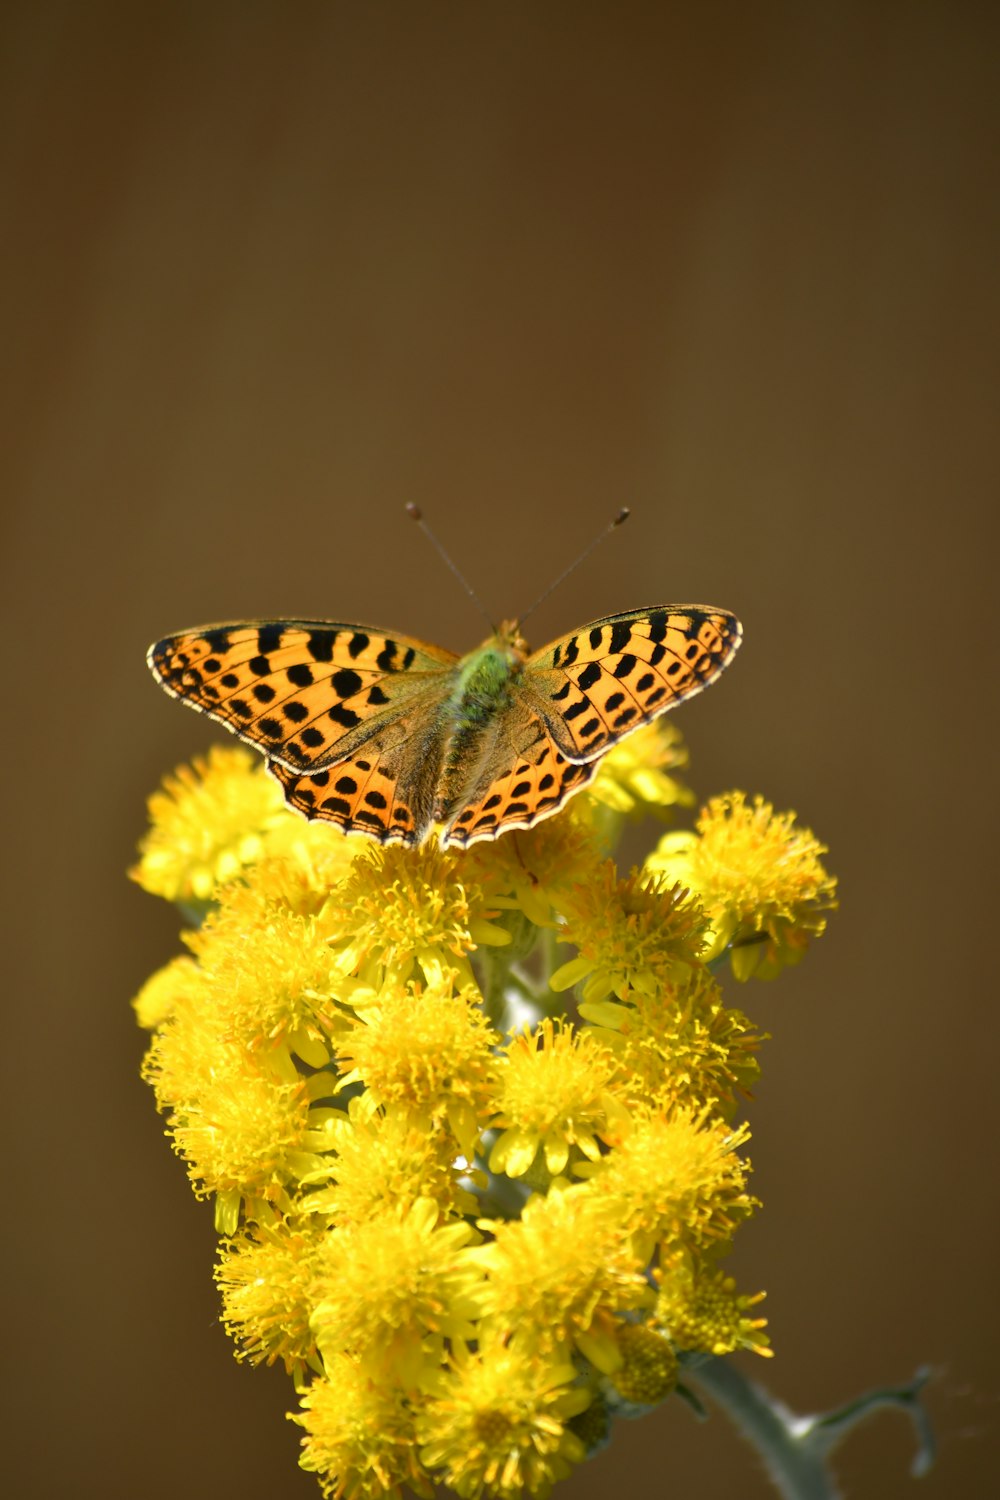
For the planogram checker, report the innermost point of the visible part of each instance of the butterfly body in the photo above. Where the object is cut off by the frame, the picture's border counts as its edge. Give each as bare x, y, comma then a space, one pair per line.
389, 736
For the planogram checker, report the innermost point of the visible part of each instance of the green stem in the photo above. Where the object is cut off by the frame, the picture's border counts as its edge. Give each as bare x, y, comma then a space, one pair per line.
795, 1449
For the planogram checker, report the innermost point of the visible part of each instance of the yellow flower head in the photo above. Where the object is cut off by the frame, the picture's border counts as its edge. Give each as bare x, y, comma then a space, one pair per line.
266, 1278
648, 1372
378, 1158
552, 1095
427, 1052
701, 1310
496, 1423
360, 1440
557, 1274
532, 869
207, 823
632, 935
386, 1284
636, 777
675, 1180
239, 1124
276, 971
400, 907
163, 990
760, 879
392, 1281
679, 1045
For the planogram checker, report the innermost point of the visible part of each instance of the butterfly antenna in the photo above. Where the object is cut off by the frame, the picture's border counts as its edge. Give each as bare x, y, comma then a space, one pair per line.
618, 520
416, 514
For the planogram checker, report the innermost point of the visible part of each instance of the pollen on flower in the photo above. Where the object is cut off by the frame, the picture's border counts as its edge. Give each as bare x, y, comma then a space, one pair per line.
759, 877
359, 1434
207, 823
553, 1094
632, 934
702, 1310
497, 1423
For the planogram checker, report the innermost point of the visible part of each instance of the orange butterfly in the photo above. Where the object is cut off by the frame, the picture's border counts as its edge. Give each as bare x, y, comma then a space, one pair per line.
388, 736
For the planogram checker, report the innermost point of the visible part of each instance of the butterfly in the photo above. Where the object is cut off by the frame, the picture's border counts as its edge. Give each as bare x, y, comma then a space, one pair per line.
391, 737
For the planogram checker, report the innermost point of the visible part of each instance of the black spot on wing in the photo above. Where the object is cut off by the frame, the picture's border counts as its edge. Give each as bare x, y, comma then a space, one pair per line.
345, 717
346, 682
320, 644
269, 638
621, 634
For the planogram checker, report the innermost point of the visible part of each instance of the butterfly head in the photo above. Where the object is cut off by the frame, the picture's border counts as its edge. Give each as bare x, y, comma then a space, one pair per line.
509, 639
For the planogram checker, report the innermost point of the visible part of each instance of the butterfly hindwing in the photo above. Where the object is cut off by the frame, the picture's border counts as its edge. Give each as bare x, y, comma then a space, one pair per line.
599, 684
305, 692
517, 790
361, 794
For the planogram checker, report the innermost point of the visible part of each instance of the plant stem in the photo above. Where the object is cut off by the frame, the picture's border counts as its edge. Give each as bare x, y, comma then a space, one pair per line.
795, 1449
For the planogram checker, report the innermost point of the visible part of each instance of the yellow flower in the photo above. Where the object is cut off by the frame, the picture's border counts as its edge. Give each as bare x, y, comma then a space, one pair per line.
557, 1274
360, 1440
242, 1128
267, 1280
427, 1052
401, 907
679, 1045
635, 778
760, 879
207, 824
274, 972
648, 1372
633, 934
552, 1095
675, 1180
388, 1284
378, 1158
162, 991
496, 1423
348, 1030
701, 1310
532, 868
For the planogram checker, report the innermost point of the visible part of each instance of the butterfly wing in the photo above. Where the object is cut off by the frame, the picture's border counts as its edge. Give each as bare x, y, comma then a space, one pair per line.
608, 679
307, 693
388, 796
524, 778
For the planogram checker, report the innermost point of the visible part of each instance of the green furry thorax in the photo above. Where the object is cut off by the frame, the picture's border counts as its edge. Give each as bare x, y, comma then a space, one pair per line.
484, 684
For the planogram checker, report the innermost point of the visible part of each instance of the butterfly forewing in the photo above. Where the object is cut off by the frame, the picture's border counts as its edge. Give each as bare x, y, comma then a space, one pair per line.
598, 685
305, 692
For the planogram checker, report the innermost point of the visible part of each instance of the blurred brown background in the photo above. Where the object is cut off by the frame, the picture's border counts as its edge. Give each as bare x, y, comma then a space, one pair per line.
271, 271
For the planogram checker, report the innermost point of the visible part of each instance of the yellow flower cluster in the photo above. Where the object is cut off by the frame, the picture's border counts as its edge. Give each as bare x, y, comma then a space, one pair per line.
467, 1118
